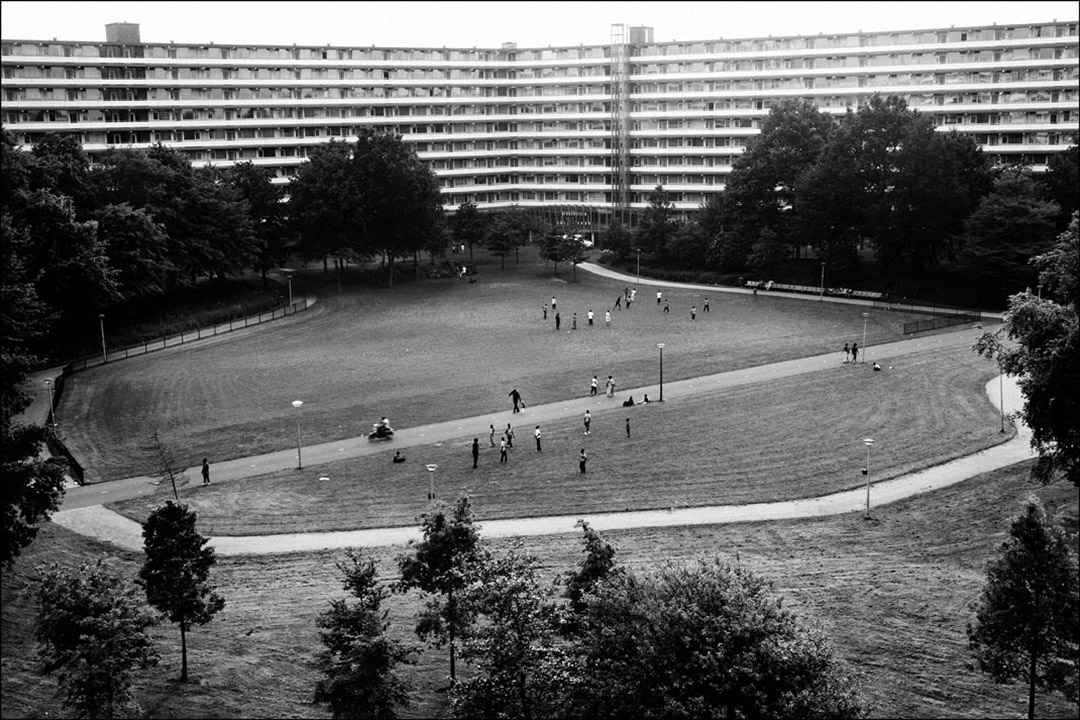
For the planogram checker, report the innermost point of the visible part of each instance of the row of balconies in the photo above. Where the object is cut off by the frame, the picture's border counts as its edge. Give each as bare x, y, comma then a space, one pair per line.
659, 52
37, 77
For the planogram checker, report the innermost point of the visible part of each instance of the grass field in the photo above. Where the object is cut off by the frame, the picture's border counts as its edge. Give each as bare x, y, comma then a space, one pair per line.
894, 592
423, 352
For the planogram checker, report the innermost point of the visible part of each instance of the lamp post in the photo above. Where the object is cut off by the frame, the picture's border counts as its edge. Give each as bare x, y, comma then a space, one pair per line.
101, 321
865, 316
52, 410
866, 471
661, 346
431, 474
822, 298
1001, 394
299, 459
639, 265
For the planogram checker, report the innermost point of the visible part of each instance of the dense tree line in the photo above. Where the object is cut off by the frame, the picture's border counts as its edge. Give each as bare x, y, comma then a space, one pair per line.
927, 205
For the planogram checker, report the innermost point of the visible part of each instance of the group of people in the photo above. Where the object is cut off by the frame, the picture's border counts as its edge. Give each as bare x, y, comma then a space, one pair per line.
851, 353
506, 442
625, 298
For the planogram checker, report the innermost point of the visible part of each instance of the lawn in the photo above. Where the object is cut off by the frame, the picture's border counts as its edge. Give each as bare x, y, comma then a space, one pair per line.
893, 593
731, 446
427, 351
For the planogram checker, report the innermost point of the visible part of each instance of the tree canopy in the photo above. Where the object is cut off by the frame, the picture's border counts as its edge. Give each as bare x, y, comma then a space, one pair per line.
1027, 620
175, 574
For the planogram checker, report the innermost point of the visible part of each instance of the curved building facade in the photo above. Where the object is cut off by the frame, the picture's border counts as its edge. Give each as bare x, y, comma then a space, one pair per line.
584, 130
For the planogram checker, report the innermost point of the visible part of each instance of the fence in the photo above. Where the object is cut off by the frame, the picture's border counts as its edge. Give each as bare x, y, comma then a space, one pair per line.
149, 346
941, 321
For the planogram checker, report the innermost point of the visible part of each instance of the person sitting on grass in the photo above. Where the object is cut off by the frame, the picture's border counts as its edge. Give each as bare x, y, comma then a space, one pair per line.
398, 457
629, 402
646, 400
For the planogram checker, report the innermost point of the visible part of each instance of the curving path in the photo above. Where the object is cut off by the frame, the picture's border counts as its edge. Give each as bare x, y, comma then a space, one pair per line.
83, 511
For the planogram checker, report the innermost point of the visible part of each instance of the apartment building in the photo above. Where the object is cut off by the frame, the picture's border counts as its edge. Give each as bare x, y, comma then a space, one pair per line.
582, 131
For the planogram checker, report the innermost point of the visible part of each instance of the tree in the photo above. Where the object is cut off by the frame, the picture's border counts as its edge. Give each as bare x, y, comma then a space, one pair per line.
175, 573
597, 565
91, 629
398, 198
439, 565
359, 663
657, 224
1027, 620
468, 226
521, 668
1009, 227
1046, 358
762, 186
1060, 181
618, 239
264, 208
506, 232
705, 640
32, 488
138, 249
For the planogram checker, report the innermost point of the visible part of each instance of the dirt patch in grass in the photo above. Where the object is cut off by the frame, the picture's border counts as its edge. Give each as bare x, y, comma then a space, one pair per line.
893, 593
423, 352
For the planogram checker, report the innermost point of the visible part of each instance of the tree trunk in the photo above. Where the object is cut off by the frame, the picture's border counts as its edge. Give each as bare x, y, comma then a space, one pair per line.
1031, 687
183, 651
391, 273
450, 628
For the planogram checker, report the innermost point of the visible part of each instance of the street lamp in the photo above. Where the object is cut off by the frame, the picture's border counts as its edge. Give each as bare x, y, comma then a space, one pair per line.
661, 346
1001, 394
865, 315
101, 321
52, 410
822, 282
431, 474
299, 460
866, 471
639, 266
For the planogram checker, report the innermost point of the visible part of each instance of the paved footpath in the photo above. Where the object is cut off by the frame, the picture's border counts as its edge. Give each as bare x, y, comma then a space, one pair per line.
82, 508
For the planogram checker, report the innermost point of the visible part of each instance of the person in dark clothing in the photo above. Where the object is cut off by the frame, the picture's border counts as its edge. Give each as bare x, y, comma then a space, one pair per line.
558, 321
627, 427
398, 457
516, 397
581, 461
537, 433
205, 472
475, 451
854, 352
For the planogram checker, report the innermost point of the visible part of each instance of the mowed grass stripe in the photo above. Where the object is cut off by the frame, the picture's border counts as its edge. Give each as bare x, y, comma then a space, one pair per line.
775, 440
426, 352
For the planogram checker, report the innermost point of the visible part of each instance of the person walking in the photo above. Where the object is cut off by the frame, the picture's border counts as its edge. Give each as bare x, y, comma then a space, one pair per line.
558, 321
589, 317
618, 302
627, 427
593, 386
545, 311
553, 303
667, 308
574, 325
633, 296
588, 423
854, 352
502, 450
475, 452
516, 397
659, 295
693, 312
607, 318
205, 472
491, 434
537, 434
509, 436
847, 353
582, 459
610, 386
705, 307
